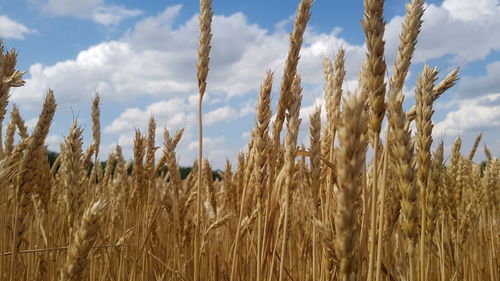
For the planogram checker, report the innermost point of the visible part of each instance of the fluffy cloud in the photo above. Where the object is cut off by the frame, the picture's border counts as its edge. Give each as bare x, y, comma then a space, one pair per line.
466, 30
53, 142
12, 29
173, 114
157, 60
208, 143
472, 10
479, 114
467, 120
225, 113
95, 10
213, 149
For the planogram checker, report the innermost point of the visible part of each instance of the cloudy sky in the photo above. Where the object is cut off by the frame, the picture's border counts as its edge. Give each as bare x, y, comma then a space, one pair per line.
140, 56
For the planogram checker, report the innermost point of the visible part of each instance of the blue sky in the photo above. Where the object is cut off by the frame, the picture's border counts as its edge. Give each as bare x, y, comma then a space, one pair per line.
140, 56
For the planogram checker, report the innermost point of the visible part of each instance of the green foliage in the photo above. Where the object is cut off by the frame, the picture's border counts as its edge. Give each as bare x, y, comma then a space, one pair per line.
52, 156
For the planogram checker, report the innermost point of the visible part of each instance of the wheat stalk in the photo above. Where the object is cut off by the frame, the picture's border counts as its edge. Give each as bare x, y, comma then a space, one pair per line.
351, 164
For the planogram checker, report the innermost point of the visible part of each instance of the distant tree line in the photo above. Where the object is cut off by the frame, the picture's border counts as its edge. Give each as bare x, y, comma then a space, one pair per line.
52, 155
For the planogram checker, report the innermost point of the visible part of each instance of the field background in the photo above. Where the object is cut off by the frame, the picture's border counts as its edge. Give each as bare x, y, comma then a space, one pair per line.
320, 157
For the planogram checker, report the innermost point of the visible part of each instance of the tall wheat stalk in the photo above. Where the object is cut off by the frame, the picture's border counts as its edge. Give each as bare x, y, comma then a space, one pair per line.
205, 18
372, 82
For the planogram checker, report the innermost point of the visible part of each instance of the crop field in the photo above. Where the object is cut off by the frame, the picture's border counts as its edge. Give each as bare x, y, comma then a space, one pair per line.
371, 197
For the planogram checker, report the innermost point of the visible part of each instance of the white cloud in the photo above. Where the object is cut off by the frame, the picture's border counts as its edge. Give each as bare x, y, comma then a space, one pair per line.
467, 120
471, 10
12, 29
480, 114
217, 157
213, 149
467, 30
248, 108
221, 114
173, 114
95, 10
53, 142
31, 123
156, 59
112, 14
112, 68
208, 143
246, 135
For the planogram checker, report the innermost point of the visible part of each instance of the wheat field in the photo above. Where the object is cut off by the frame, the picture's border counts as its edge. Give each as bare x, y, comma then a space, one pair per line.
372, 197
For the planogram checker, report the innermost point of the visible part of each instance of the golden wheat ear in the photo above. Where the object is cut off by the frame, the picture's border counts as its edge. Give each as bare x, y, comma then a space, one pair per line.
77, 258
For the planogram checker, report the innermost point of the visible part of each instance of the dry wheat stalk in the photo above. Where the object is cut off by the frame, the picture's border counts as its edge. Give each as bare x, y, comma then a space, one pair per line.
293, 123
315, 152
455, 186
9, 78
327, 140
96, 134
150, 152
402, 160
373, 70
296, 37
261, 156
423, 94
261, 136
23, 131
435, 183
29, 176
205, 19
351, 164
474, 146
487, 153
9, 136
139, 151
449, 81
407, 41
83, 240
208, 181
372, 82
314, 160
72, 168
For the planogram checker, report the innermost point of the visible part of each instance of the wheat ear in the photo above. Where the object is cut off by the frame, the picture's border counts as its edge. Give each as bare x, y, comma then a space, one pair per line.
487, 153
424, 94
29, 175
449, 81
373, 85
296, 37
351, 165
150, 152
474, 146
407, 40
293, 125
402, 160
72, 168
315, 152
261, 151
77, 258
